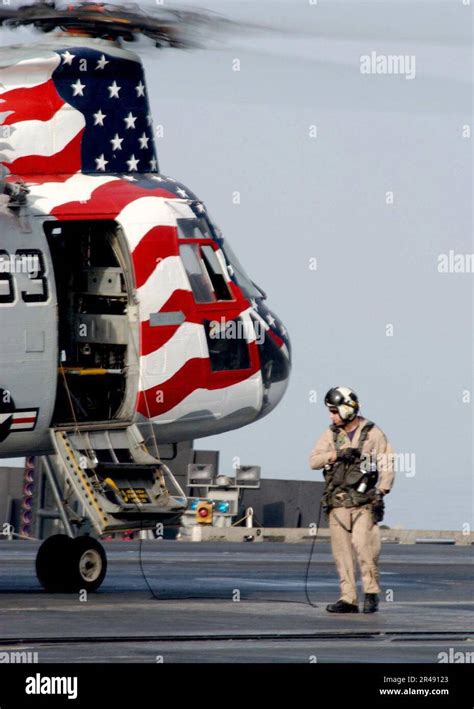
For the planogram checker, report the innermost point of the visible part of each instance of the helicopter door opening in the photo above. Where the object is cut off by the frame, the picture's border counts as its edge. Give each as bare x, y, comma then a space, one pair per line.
94, 327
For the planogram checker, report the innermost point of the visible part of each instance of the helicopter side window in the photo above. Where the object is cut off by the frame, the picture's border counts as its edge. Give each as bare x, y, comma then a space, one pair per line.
227, 344
237, 272
205, 273
201, 284
193, 229
216, 274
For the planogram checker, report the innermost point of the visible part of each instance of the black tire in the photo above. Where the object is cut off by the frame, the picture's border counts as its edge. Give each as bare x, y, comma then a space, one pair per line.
50, 562
65, 565
88, 565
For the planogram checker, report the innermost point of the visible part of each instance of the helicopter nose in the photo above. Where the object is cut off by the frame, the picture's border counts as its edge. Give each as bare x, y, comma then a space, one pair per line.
275, 361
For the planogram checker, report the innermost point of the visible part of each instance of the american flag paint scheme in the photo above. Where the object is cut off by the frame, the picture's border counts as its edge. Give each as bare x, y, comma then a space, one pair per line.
78, 134
78, 109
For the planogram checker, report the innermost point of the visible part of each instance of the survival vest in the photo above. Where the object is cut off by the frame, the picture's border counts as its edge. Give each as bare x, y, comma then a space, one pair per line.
342, 478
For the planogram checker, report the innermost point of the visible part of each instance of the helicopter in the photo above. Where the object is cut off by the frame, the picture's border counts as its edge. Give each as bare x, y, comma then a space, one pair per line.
127, 320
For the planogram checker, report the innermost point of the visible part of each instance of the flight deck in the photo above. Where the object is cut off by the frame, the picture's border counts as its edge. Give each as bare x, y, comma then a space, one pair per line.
173, 601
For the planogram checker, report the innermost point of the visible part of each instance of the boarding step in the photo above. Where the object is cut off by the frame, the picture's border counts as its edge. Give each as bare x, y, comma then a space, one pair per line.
114, 480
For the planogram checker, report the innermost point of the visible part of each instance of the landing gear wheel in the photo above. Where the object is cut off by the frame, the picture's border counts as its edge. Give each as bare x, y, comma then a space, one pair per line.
51, 560
65, 565
89, 564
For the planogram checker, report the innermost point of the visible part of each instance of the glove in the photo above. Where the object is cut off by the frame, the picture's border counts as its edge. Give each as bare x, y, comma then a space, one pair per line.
378, 508
348, 455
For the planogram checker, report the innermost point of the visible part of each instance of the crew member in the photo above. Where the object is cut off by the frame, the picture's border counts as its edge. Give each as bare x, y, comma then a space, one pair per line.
358, 470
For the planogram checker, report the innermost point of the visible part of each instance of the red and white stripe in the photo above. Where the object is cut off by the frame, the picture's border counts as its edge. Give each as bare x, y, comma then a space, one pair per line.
174, 360
23, 420
41, 133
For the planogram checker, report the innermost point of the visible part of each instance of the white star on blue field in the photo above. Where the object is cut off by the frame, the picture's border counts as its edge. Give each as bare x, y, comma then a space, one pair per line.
110, 93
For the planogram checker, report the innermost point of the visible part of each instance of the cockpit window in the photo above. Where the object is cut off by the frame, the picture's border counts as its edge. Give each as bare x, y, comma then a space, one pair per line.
198, 277
196, 228
216, 274
205, 273
227, 343
204, 228
238, 272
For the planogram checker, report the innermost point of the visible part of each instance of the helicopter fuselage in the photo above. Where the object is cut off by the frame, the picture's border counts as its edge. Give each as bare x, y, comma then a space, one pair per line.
120, 300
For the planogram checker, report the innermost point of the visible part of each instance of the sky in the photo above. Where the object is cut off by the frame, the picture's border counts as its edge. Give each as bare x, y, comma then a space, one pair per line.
355, 217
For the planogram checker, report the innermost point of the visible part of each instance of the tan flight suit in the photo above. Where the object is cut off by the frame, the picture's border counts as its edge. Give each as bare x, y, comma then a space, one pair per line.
353, 532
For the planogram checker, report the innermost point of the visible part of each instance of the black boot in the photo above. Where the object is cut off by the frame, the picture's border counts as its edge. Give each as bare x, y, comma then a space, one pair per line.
371, 603
342, 607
